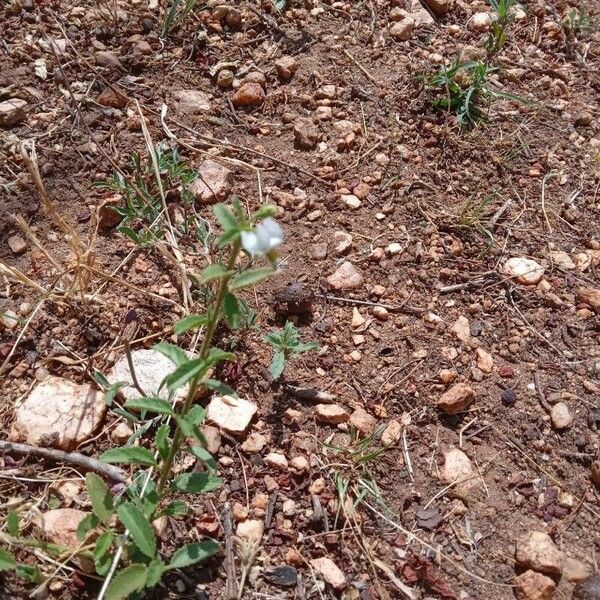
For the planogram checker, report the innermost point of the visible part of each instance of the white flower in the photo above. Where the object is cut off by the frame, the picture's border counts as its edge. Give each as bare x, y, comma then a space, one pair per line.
264, 238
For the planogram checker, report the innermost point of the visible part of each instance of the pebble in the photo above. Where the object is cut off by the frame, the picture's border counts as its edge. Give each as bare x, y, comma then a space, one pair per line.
212, 438
192, 102
276, 460
8, 319
251, 530
508, 397
438, 7
58, 413
595, 470
232, 415
112, 98
481, 21
12, 112
286, 67
250, 95
225, 78
300, 464
332, 414
590, 296
363, 421
524, 270
343, 241
105, 58
351, 200
402, 30
357, 319
391, 434
485, 361
394, 248
282, 575
462, 329
534, 586
381, 313
447, 375
562, 260
16, 244
346, 277
575, 570
330, 572
214, 183
60, 526
121, 433
254, 443
560, 415
536, 550
457, 467
306, 133
456, 399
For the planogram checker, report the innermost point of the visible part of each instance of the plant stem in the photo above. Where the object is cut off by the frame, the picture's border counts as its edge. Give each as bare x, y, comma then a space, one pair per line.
214, 316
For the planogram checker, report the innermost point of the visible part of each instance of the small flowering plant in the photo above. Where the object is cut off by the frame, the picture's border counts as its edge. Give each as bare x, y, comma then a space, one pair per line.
121, 525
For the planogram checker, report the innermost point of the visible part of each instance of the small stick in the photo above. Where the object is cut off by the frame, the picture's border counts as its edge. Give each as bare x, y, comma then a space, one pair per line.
271, 509
494, 220
366, 73
74, 458
310, 394
540, 391
231, 586
402, 308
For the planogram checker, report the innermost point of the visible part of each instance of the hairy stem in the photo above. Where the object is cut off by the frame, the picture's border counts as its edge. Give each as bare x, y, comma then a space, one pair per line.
214, 316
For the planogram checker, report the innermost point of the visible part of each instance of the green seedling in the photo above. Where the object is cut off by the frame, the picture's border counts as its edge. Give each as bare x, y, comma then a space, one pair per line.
503, 18
286, 345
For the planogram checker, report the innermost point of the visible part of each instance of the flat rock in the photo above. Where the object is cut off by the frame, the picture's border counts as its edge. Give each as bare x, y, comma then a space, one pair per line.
346, 277
575, 570
60, 526
12, 112
330, 572
192, 102
485, 361
462, 329
523, 270
150, 367
343, 242
58, 413
332, 414
251, 530
561, 416
16, 244
402, 30
286, 67
534, 586
249, 95
111, 98
536, 550
231, 414
457, 469
590, 296
363, 421
481, 21
213, 184
212, 438
276, 460
254, 443
456, 399
306, 133
562, 260
391, 434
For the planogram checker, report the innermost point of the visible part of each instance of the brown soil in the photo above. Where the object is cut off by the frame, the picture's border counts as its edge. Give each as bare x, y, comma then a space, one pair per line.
432, 188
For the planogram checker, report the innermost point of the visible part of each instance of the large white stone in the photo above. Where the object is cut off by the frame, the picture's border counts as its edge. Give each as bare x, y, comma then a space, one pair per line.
231, 414
58, 413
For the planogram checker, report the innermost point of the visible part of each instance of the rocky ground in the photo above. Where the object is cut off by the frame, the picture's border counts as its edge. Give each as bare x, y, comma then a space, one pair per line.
443, 441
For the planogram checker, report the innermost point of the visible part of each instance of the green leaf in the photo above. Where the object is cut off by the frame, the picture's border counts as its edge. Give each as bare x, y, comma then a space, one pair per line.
12, 523
181, 375
103, 545
27, 572
204, 455
250, 278
100, 497
177, 508
195, 483
112, 391
188, 428
214, 271
225, 217
227, 237
162, 441
266, 210
190, 322
129, 455
140, 530
128, 580
277, 364
174, 353
196, 414
216, 355
190, 554
151, 404
85, 525
306, 347
232, 311
155, 571
218, 386
7, 561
